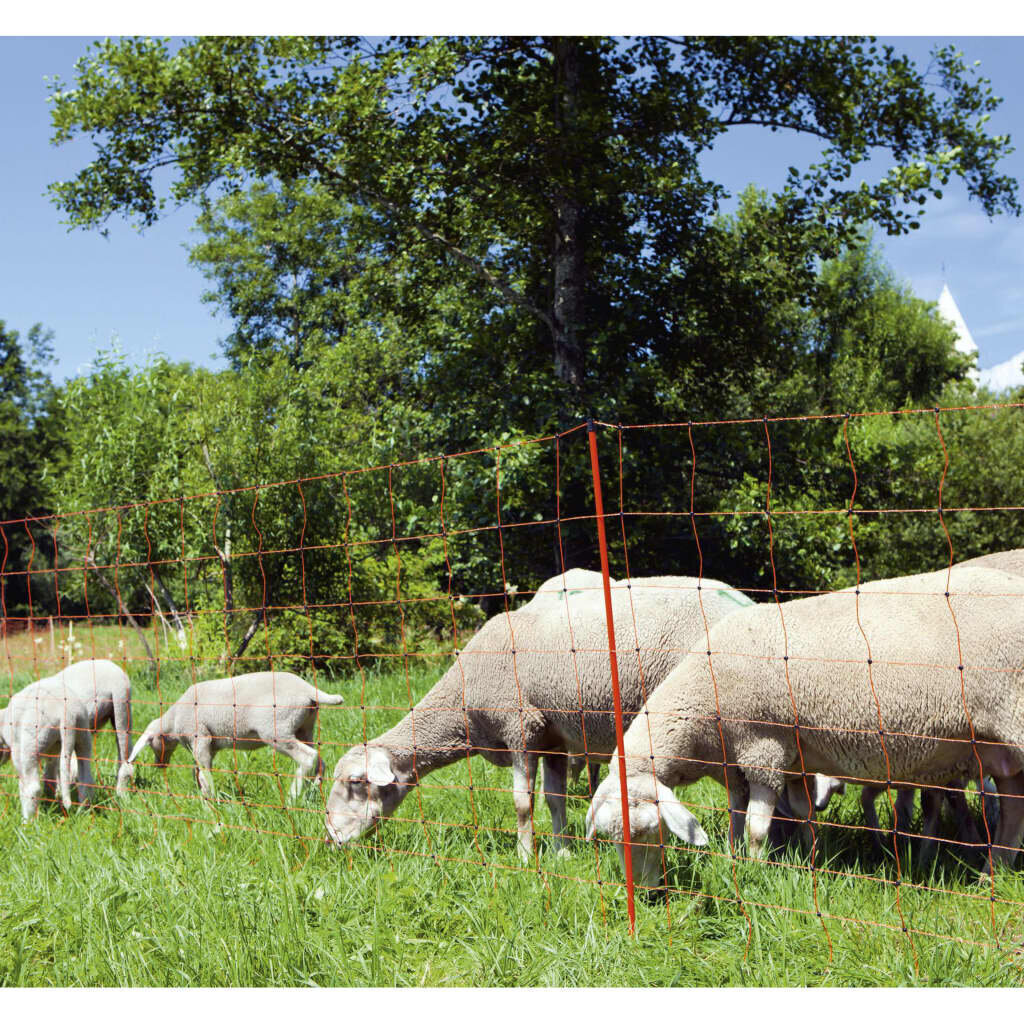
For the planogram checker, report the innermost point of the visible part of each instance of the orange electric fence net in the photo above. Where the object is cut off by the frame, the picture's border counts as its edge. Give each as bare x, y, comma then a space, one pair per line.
514, 608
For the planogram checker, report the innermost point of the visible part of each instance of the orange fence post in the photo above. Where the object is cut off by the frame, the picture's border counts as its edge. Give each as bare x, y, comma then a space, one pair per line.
627, 849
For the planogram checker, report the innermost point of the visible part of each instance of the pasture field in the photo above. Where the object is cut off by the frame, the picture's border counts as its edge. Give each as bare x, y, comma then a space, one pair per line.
162, 890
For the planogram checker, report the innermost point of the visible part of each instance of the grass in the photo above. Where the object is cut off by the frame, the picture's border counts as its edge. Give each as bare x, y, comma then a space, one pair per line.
155, 892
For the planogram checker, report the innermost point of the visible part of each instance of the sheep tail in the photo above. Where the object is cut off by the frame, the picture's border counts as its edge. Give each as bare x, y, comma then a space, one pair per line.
321, 697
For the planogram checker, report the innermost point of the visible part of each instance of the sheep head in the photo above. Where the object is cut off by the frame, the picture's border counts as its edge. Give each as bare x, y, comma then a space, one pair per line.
366, 790
162, 744
652, 806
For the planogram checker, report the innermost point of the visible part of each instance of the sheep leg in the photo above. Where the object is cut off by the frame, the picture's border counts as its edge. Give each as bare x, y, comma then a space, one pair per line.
83, 752
305, 758
524, 778
555, 785
868, 795
203, 754
903, 812
593, 776
29, 787
50, 765
738, 796
1011, 819
931, 810
803, 810
123, 728
68, 739
967, 831
759, 816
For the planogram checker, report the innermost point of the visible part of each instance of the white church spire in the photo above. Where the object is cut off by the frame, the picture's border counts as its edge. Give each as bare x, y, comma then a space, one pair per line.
950, 311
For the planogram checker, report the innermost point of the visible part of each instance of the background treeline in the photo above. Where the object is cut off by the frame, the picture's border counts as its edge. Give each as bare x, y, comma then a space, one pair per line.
436, 246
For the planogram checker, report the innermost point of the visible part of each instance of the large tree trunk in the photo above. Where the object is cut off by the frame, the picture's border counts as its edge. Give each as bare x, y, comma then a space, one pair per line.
569, 263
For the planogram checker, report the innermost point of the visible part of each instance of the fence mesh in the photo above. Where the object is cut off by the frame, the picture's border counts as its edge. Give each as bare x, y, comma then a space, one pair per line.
415, 585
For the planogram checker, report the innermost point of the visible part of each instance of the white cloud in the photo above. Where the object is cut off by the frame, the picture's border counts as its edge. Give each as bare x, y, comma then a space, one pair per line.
1005, 375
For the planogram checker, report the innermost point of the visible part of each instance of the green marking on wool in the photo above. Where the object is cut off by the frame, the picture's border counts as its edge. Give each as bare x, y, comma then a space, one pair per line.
734, 595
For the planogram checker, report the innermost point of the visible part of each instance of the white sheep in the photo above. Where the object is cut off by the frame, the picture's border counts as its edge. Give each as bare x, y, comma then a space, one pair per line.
1011, 561
46, 720
276, 709
106, 691
893, 642
533, 684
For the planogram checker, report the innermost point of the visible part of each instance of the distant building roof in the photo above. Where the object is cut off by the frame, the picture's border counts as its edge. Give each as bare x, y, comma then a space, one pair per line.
951, 312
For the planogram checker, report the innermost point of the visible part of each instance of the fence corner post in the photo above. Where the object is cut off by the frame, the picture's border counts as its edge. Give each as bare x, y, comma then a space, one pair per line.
602, 541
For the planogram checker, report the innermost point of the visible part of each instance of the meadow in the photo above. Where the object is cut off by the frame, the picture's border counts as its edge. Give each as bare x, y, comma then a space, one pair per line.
164, 890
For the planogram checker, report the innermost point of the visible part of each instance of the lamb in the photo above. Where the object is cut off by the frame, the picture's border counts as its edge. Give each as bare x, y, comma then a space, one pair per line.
106, 691
47, 720
533, 684
906, 658
276, 709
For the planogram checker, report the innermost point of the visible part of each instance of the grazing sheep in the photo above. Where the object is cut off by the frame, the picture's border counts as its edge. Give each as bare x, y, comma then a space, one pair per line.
1011, 561
106, 691
533, 683
275, 709
819, 662
46, 720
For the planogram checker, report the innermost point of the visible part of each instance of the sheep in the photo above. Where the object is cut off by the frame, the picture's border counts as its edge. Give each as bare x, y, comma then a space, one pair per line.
47, 720
106, 691
276, 709
533, 684
1011, 561
831, 658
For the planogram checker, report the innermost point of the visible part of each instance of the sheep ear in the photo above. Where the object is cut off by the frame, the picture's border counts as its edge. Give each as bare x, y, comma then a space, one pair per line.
678, 819
591, 821
824, 788
378, 769
601, 815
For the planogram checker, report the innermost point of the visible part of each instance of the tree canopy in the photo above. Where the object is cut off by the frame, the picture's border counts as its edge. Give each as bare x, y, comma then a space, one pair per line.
557, 180
445, 244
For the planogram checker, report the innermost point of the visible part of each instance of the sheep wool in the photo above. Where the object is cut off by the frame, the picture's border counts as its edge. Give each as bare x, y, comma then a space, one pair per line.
875, 675
536, 679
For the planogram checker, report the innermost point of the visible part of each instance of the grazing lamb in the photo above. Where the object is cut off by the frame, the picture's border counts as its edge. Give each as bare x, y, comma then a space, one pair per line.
106, 691
822, 657
275, 709
47, 720
533, 684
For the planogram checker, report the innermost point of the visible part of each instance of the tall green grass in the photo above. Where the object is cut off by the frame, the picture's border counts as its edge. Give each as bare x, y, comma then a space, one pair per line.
163, 890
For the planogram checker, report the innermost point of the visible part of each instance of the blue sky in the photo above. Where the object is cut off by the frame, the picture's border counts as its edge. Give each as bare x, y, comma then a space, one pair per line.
139, 288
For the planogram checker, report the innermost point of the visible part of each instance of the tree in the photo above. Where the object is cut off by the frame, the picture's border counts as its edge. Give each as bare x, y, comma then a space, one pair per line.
31, 454
433, 245
561, 175
282, 267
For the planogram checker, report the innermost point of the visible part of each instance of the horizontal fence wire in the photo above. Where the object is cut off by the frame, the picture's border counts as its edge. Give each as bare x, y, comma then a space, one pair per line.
412, 590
